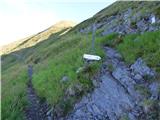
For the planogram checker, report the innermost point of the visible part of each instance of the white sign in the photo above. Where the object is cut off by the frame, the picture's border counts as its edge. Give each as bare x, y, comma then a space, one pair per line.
91, 57
153, 19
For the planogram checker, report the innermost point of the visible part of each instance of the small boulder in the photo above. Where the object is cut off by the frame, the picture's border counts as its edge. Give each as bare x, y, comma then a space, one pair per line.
141, 68
70, 91
149, 105
78, 88
64, 79
95, 83
74, 90
154, 89
137, 77
142, 26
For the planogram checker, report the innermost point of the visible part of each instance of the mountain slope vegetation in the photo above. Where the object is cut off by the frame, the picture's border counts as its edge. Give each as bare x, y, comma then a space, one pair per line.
34, 39
60, 76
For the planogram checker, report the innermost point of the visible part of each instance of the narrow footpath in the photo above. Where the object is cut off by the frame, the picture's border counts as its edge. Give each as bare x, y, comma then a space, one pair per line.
36, 109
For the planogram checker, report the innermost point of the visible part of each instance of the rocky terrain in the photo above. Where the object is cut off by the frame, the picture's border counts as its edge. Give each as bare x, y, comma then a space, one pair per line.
122, 91
65, 87
115, 96
127, 21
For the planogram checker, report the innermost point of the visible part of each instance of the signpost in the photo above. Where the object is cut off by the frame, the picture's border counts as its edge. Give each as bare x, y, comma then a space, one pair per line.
153, 19
90, 57
93, 37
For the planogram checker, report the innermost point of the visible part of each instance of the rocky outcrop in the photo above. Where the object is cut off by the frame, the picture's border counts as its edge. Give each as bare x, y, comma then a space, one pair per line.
155, 90
139, 67
127, 22
115, 97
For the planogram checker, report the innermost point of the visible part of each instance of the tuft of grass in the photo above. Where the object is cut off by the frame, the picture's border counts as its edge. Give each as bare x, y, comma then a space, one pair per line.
151, 109
148, 102
143, 90
110, 67
157, 11
52, 60
146, 45
109, 40
124, 117
13, 99
64, 60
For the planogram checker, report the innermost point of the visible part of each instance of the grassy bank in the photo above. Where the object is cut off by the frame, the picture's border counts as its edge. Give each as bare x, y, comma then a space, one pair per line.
13, 99
55, 58
65, 59
133, 46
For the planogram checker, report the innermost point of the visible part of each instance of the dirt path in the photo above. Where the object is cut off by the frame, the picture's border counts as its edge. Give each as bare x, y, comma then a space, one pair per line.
36, 110
115, 96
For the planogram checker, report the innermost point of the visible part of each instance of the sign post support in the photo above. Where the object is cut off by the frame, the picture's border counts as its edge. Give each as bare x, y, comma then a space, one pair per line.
93, 38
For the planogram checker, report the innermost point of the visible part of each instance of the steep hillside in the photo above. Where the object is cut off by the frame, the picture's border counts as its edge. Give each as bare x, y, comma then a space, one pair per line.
126, 79
34, 39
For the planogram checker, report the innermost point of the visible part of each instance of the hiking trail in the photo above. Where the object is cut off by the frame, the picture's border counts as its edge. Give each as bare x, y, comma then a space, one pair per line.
36, 109
115, 95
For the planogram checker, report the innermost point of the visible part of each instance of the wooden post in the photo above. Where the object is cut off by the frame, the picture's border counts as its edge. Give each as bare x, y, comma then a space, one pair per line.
93, 38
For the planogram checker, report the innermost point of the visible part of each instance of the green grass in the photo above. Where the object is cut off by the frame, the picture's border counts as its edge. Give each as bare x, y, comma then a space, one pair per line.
124, 117
143, 90
13, 99
146, 46
65, 59
120, 6
151, 109
61, 57
133, 46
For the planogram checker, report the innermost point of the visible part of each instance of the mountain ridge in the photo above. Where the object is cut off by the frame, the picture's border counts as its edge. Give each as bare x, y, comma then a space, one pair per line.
45, 33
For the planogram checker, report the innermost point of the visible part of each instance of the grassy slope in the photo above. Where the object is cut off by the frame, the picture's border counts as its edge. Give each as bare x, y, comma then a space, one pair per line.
64, 61
133, 46
34, 39
13, 96
60, 56
146, 46
119, 6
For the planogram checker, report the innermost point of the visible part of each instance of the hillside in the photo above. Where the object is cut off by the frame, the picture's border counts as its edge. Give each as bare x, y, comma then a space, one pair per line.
34, 39
124, 85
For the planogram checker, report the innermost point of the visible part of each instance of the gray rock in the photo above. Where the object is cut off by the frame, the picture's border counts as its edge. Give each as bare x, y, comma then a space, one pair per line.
104, 99
136, 16
141, 68
111, 99
154, 89
107, 32
127, 14
131, 117
70, 91
95, 83
142, 26
78, 88
64, 79
138, 77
